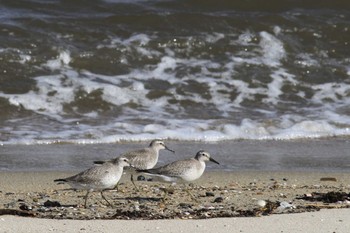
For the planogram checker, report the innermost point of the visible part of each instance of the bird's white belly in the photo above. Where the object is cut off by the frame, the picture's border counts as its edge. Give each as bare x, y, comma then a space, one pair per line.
192, 174
110, 180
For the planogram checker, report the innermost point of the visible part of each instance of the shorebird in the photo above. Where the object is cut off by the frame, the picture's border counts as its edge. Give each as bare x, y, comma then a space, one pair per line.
145, 158
183, 170
98, 178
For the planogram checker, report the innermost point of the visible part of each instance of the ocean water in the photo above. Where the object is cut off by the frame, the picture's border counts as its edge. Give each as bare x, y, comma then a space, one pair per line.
87, 72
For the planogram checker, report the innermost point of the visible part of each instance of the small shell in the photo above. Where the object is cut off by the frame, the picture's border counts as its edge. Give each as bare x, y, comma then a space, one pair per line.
261, 203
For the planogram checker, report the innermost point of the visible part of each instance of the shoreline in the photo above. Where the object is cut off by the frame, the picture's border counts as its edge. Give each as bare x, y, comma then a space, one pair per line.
239, 155
39, 180
27, 181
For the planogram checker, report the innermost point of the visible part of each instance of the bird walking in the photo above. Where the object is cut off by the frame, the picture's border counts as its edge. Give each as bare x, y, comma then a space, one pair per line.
182, 170
97, 178
145, 158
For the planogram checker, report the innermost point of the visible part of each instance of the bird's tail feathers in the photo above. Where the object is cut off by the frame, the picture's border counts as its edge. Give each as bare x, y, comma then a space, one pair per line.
99, 162
60, 181
142, 170
147, 171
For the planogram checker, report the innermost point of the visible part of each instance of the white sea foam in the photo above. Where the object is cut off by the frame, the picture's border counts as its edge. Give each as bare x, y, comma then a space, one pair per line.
330, 91
62, 59
272, 49
157, 118
279, 78
192, 130
40, 101
245, 38
277, 30
24, 58
215, 37
307, 60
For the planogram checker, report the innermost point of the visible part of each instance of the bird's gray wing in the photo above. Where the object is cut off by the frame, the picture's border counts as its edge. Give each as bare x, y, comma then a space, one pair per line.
91, 175
135, 157
176, 168
138, 158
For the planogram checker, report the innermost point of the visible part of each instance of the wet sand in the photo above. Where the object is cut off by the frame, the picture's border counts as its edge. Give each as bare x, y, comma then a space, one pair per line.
328, 155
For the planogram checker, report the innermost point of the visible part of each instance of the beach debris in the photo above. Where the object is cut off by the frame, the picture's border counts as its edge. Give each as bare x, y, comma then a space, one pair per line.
329, 179
209, 194
214, 203
268, 209
283, 195
169, 190
49, 203
142, 214
25, 207
330, 197
274, 185
284, 206
185, 206
261, 203
218, 200
23, 213
10, 205
208, 207
136, 207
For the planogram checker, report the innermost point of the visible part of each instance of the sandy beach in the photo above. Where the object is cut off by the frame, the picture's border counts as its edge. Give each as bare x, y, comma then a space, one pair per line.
315, 222
228, 202
268, 186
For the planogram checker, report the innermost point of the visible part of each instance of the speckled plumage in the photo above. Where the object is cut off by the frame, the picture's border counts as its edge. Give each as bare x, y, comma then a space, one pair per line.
182, 170
145, 158
98, 177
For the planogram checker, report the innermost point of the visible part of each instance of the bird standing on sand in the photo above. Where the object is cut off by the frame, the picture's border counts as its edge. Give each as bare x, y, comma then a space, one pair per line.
145, 158
98, 178
182, 170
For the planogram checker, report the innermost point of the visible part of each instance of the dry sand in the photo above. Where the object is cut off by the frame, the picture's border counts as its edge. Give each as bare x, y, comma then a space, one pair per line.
323, 221
220, 194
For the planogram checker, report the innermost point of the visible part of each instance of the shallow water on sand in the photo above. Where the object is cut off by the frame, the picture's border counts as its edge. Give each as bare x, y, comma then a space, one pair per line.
308, 155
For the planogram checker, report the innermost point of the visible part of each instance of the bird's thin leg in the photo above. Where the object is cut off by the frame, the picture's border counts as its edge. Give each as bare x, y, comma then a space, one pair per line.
103, 196
132, 180
165, 196
166, 192
116, 187
85, 198
191, 195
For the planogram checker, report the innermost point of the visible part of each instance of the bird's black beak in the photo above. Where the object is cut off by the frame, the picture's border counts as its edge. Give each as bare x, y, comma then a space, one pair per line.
213, 160
169, 149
